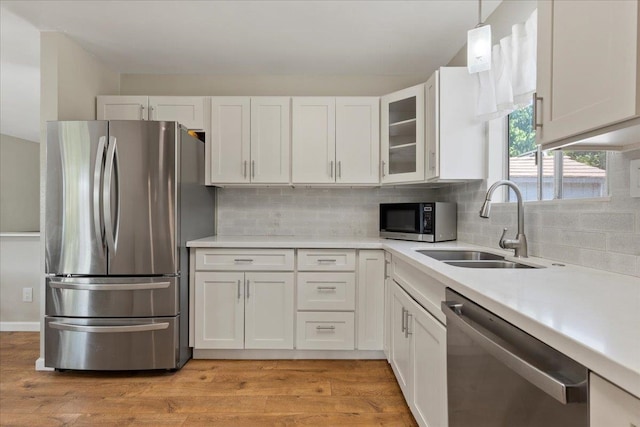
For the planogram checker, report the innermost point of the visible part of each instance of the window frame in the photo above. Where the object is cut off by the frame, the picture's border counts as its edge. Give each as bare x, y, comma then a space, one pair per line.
558, 167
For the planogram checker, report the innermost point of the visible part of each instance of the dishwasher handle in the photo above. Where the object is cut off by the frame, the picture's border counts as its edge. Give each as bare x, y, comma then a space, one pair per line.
561, 391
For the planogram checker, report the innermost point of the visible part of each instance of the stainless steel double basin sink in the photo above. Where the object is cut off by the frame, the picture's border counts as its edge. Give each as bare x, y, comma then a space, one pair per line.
471, 258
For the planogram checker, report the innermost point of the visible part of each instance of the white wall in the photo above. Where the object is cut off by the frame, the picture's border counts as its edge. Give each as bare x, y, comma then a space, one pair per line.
19, 184
19, 268
262, 85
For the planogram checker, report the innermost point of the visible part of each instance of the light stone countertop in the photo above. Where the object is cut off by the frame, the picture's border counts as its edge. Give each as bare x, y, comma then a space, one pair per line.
592, 316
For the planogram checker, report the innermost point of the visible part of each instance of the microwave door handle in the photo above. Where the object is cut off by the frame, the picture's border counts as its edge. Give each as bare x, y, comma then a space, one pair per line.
561, 391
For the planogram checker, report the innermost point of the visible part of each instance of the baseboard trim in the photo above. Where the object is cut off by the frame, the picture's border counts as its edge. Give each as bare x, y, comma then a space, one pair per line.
40, 365
287, 354
19, 326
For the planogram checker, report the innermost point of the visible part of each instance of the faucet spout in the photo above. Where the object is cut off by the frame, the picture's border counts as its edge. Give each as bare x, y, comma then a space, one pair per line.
519, 244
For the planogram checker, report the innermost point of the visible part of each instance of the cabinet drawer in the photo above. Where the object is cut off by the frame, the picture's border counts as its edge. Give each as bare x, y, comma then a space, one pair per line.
326, 259
244, 259
326, 291
325, 331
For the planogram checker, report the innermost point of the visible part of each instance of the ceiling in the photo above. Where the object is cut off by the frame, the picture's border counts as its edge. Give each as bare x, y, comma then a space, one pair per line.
261, 37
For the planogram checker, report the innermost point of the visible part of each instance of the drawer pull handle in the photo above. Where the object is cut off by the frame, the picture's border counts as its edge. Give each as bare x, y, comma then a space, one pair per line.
109, 287
333, 261
109, 329
325, 328
326, 288
239, 260
406, 331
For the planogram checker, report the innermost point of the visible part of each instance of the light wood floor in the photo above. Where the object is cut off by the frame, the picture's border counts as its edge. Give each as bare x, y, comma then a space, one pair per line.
204, 392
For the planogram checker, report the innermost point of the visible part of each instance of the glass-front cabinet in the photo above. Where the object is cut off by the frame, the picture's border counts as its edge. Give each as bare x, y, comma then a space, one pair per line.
402, 136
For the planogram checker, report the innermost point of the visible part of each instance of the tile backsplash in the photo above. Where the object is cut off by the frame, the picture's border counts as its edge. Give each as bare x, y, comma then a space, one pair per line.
603, 234
313, 212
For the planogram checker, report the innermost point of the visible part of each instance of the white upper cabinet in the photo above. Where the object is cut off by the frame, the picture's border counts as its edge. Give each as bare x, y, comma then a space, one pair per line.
335, 140
402, 135
588, 78
186, 110
270, 139
228, 139
357, 140
249, 140
122, 107
314, 140
455, 138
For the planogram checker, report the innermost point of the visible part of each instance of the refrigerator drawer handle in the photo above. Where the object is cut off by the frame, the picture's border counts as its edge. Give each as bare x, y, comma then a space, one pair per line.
109, 329
553, 387
105, 287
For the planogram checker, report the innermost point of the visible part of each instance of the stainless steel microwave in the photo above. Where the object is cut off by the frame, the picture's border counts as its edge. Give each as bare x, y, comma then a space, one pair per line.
423, 222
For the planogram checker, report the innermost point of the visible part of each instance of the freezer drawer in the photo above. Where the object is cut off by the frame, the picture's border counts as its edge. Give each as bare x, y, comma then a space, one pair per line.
111, 344
112, 297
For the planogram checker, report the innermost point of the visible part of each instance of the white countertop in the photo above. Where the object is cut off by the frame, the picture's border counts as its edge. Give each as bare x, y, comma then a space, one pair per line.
286, 242
592, 316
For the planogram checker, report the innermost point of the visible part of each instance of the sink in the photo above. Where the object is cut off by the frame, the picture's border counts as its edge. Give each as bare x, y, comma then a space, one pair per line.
488, 264
472, 259
460, 255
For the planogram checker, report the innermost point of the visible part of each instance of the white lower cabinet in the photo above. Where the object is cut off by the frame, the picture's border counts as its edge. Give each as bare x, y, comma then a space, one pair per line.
370, 309
610, 406
418, 358
252, 310
325, 331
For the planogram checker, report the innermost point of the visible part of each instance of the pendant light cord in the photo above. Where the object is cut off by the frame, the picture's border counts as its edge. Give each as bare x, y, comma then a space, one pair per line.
479, 14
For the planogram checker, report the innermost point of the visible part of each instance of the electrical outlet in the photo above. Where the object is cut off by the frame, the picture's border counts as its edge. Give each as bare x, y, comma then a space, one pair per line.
27, 294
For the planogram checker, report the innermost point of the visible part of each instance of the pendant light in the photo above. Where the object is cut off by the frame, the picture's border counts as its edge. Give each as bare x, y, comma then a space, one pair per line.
479, 45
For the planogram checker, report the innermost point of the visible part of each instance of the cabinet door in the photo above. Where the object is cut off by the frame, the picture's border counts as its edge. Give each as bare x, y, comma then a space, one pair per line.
270, 139
219, 310
400, 342
186, 110
587, 66
122, 108
429, 366
313, 140
610, 406
371, 297
357, 140
458, 143
432, 126
229, 140
402, 135
269, 314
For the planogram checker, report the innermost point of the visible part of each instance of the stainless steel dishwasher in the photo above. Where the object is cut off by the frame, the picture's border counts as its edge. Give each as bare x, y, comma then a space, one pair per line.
498, 375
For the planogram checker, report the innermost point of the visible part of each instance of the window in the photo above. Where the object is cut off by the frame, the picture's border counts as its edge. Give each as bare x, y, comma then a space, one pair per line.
562, 174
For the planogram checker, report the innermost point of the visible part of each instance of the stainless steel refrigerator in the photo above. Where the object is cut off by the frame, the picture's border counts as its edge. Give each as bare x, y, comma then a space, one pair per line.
122, 199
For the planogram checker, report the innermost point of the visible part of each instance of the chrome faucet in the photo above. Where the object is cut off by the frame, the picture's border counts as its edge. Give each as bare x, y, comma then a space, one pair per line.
519, 244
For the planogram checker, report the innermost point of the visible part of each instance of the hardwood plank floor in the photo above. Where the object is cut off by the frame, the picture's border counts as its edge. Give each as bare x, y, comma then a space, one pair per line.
203, 393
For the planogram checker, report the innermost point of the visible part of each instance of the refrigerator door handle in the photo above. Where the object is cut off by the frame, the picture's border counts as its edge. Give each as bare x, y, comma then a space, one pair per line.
111, 224
109, 329
98, 171
109, 287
